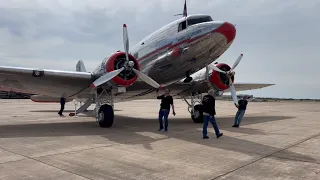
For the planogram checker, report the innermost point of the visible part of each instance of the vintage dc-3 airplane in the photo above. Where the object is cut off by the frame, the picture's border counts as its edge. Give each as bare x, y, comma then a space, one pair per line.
170, 57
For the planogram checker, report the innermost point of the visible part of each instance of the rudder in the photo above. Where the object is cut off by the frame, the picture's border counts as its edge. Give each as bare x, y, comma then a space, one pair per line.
80, 66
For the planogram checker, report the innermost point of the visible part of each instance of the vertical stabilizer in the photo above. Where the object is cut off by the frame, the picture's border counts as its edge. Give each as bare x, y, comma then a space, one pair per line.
80, 66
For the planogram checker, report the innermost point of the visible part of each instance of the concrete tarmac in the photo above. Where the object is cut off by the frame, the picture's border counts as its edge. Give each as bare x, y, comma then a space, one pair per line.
276, 140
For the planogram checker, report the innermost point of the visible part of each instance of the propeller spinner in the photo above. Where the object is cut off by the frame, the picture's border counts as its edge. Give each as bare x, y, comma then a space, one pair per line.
229, 74
128, 65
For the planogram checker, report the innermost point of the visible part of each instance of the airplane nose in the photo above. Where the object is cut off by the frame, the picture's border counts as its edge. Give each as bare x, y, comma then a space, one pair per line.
228, 30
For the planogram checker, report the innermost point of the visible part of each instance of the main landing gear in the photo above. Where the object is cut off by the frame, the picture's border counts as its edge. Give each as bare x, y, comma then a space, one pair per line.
103, 111
104, 107
195, 107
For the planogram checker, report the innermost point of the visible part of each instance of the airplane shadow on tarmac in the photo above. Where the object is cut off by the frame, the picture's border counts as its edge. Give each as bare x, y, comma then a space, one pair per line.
128, 130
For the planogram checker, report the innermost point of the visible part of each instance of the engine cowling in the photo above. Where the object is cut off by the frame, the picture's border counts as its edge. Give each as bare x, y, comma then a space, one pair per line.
219, 80
117, 61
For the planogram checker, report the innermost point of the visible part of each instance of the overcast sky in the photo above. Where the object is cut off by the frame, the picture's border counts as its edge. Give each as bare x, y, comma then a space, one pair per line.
279, 39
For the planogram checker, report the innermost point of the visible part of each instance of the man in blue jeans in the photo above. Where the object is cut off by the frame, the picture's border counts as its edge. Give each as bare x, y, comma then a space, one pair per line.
166, 101
241, 111
208, 104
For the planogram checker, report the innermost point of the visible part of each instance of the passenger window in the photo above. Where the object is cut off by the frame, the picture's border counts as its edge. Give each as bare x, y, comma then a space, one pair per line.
182, 26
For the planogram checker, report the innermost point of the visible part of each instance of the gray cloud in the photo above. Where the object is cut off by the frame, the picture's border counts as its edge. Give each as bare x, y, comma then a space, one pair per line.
278, 38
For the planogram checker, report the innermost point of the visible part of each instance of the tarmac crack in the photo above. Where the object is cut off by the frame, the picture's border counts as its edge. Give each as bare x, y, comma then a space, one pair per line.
268, 155
297, 160
26, 157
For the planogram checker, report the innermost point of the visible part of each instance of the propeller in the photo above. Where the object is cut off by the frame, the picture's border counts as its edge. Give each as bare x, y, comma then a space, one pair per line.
128, 65
207, 77
229, 74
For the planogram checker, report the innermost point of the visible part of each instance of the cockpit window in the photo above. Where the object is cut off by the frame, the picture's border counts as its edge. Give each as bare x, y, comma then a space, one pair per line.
182, 26
193, 21
199, 20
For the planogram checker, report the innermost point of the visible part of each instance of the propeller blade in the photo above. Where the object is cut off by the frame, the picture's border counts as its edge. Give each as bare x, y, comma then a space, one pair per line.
126, 41
105, 78
233, 94
146, 79
236, 62
230, 81
207, 77
207, 73
216, 68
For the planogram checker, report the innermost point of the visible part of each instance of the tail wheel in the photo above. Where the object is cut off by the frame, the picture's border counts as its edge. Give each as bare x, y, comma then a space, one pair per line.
197, 115
105, 116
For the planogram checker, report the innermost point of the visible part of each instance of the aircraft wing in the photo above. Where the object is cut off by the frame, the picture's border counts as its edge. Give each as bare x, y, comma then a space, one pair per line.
249, 86
140, 90
49, 82
42, 81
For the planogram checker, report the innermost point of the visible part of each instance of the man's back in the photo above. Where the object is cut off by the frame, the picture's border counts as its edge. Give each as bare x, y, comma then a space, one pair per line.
243, 104
209, 103
62, 100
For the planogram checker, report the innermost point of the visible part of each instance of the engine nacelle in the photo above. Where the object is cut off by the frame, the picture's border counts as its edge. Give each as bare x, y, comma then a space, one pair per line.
219, 80
116, 61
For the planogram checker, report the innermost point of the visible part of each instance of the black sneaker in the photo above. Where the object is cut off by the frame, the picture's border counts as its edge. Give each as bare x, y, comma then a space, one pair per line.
205, 137
236, 125
219, 135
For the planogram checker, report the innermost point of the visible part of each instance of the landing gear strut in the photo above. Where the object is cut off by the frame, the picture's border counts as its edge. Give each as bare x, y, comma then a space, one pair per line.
104, 107
195, 109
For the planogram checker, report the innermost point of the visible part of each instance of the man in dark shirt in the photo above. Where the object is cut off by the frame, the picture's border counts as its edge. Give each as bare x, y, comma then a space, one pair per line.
241, 111
166, 101
62, 103
208, 104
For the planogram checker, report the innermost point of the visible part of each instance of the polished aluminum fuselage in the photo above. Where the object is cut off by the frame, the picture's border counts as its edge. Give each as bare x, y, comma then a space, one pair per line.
166, 56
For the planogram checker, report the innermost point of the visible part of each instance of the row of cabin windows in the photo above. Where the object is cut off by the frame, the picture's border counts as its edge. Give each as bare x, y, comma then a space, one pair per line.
183, 24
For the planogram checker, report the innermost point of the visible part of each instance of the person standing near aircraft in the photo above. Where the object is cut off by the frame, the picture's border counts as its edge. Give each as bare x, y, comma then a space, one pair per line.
241, 111
62, 103
208, 104
166, 101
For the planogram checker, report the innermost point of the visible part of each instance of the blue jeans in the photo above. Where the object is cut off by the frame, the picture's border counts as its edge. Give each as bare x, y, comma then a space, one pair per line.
165, 114
239, 116
206, 119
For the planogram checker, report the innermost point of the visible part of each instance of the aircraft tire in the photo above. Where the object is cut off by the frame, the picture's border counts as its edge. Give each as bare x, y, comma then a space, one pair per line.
198, 117
106, 116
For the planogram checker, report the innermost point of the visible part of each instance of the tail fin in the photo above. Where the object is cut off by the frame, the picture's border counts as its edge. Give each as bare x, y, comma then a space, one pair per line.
80, 66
